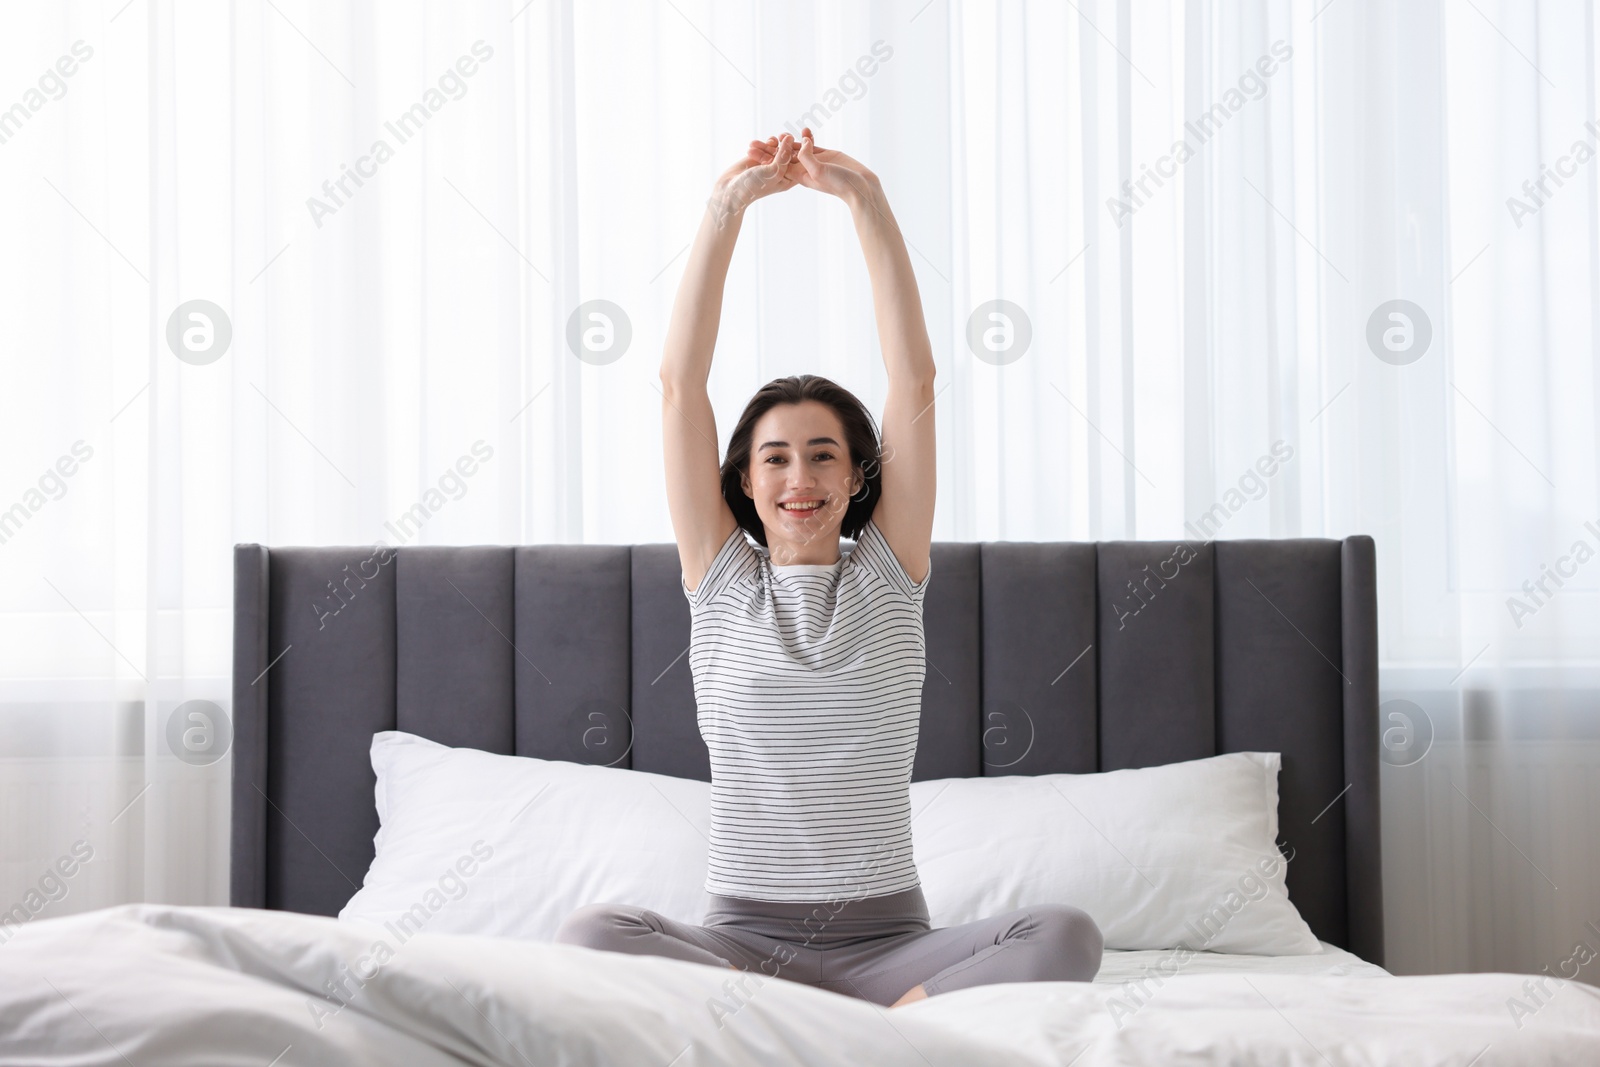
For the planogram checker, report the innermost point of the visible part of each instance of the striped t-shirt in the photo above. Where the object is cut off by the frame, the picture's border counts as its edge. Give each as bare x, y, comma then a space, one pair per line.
808, 681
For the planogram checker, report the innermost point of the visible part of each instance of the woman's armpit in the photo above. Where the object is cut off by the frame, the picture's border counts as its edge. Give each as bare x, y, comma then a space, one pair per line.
731, 560
881, 559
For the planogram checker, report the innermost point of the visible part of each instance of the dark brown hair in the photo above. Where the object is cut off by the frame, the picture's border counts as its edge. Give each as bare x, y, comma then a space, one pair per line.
861, 438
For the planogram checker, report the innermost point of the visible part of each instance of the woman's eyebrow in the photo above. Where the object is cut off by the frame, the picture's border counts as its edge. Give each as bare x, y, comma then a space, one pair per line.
813, 441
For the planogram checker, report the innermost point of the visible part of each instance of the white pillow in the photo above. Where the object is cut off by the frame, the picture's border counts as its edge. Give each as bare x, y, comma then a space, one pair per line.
1158, 856
472, 842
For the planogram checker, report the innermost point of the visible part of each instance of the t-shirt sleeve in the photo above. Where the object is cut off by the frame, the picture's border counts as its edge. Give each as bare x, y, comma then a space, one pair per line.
735, 558
882, 561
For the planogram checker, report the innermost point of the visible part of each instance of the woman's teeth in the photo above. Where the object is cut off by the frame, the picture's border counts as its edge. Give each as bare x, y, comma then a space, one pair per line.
807, 506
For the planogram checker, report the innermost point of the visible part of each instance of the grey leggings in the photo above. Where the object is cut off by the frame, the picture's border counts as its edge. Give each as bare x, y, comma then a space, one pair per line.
874, 948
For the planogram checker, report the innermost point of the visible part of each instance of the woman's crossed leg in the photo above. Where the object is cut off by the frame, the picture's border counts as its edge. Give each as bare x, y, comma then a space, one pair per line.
1042, 943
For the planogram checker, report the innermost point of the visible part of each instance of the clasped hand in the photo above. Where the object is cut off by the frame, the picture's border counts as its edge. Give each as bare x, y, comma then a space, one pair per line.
779, 163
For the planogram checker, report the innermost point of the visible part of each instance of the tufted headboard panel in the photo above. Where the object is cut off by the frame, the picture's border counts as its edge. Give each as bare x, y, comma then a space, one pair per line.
1043, 657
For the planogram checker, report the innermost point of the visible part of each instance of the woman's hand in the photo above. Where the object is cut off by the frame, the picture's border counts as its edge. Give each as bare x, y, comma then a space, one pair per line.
827, 170
768, 167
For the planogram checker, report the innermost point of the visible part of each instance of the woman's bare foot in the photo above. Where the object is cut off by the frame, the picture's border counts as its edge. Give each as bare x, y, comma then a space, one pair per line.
914, 994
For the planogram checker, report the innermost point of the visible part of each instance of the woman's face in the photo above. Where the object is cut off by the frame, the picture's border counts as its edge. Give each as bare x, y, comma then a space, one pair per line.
799, 458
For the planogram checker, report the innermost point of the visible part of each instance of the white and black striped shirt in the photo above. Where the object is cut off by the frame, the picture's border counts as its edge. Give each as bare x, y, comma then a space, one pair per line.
808, 681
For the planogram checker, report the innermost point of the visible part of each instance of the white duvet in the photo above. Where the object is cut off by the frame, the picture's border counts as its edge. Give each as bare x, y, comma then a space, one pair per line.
148, 984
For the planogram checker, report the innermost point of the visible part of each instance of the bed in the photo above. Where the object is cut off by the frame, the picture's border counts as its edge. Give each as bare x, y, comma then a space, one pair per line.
1094, 658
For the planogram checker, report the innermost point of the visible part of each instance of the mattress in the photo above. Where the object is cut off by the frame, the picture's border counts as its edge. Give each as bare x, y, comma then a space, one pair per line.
1333, 962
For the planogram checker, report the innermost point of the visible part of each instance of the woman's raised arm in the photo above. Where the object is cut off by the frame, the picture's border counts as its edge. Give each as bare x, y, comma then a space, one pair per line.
905, 512
701, 518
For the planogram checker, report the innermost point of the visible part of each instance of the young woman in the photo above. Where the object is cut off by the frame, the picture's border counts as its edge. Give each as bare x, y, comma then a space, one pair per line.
808, 661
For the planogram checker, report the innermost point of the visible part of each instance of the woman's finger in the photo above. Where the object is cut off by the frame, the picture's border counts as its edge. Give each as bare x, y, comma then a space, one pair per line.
785, 155
808, 157
764, 151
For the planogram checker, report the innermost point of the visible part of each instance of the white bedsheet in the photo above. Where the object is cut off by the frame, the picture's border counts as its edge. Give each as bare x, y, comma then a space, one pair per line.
154, 984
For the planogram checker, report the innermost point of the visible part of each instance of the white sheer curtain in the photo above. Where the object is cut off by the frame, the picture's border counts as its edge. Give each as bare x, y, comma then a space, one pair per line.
1188, 310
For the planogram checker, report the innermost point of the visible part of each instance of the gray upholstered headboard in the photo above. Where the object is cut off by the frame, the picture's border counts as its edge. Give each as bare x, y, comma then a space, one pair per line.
1042, 657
